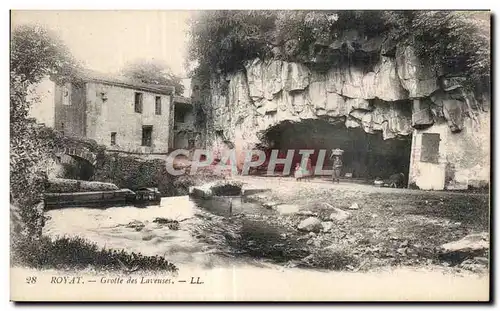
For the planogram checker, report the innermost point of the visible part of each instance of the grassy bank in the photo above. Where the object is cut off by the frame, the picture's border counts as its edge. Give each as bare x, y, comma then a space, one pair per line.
77, 253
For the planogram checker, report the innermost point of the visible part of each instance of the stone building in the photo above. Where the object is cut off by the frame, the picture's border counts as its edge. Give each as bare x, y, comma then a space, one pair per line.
123, 116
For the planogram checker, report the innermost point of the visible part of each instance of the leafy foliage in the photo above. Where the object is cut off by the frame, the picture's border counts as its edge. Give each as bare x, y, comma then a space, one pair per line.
35, 54
78, 253
453, 41
153, 72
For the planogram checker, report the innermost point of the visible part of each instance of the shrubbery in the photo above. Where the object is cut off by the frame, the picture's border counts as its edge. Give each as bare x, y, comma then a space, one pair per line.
77, 253
35, 53
221, 41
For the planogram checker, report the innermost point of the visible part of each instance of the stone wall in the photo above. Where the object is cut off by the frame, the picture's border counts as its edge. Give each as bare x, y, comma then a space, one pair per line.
464, 157
70, 109
396, 95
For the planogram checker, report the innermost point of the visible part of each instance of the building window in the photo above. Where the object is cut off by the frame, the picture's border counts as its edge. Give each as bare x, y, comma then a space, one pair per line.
158, 105
113, 138
430, 148
147, 134
138, 102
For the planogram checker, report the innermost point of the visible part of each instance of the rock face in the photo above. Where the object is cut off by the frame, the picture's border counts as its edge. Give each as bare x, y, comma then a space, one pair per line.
392, 93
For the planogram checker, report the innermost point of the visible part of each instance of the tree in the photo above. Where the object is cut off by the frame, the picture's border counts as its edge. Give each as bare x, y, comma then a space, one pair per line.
458, 41
35, 54
455, 42
152, 72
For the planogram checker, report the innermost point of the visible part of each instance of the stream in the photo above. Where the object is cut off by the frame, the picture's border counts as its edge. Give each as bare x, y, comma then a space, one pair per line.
207, 236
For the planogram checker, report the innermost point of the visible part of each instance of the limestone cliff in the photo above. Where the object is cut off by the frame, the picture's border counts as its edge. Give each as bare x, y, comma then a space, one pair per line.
394, 94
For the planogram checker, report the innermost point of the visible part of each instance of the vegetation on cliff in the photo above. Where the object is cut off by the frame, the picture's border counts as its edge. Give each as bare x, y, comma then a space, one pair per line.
457, 42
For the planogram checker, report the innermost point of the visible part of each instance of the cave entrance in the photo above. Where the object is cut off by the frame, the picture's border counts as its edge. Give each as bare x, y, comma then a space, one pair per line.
366, 156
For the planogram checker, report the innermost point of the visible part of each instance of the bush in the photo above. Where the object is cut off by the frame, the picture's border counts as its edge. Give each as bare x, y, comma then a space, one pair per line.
77, 253
456, 41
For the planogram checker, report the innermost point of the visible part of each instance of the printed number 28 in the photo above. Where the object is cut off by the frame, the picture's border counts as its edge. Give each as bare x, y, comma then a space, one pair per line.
31, 279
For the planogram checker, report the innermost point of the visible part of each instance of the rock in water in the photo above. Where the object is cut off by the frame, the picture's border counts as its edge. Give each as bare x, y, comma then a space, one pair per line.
470, 243
339, 215
269, 204
354, 206
310, 224
136, 224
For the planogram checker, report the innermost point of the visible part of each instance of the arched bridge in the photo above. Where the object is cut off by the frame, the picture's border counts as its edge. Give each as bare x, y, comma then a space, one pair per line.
81, 153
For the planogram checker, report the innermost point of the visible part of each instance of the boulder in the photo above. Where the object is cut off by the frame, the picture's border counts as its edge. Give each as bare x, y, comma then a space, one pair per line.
470, 243
354, 206
327, 226
286, 209
216, 188
310, 224
339, 215
136, 224
269, 204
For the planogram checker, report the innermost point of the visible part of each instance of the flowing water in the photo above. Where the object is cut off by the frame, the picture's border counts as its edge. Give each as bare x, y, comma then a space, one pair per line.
135, 229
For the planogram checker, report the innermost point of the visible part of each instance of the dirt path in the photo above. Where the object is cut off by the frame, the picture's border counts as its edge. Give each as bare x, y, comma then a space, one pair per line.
288, 185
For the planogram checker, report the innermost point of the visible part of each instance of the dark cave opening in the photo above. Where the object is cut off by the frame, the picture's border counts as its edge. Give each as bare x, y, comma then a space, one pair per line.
366, 156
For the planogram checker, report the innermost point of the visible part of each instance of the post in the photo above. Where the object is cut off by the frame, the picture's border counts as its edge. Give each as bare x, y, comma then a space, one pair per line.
230, 206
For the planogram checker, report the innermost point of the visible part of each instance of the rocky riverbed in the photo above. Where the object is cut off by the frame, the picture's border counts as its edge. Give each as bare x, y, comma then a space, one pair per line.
318, 225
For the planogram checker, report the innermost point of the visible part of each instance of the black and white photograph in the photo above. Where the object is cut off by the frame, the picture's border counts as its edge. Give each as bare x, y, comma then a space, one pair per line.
250, 155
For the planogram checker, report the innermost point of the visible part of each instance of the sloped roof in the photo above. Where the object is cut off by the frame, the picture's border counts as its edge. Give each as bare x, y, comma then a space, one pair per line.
97, 77
182, 100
